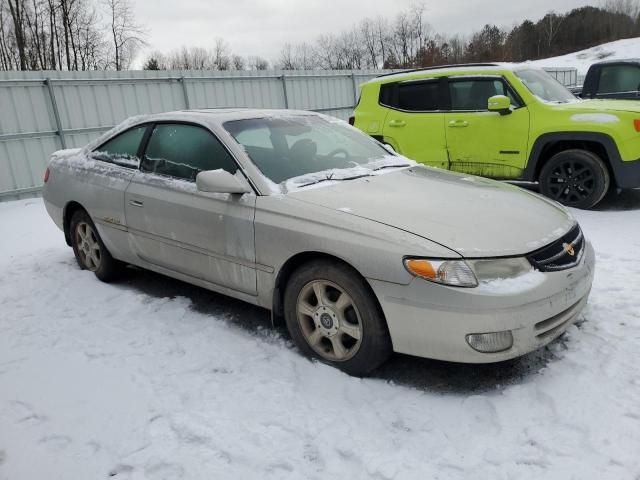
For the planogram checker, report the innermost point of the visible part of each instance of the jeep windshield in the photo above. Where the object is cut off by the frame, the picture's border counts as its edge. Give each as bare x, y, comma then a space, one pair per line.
310, 149
544, 86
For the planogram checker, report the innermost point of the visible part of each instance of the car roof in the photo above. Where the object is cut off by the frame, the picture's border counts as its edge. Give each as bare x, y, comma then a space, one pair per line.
620, 61
215, 116
441, 70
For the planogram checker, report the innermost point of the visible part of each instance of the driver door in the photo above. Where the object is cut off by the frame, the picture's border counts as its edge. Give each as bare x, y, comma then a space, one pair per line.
481, 142
172, 225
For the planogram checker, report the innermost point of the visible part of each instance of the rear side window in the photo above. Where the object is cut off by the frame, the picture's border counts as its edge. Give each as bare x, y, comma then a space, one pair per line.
183, 151
422, 96
619, 78
122, 149
473, 94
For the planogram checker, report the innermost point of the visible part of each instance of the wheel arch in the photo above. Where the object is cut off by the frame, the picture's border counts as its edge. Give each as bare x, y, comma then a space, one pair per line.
548, 144
69, 209
291, 265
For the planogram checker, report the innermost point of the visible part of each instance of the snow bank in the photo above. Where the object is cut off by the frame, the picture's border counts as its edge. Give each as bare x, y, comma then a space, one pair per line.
150, 378
582, 60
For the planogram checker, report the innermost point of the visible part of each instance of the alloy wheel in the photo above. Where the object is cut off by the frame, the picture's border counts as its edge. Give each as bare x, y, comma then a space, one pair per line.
88, 246
329, 320
571, 182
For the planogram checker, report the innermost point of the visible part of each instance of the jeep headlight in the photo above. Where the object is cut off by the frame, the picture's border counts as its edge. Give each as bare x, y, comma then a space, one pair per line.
455, 273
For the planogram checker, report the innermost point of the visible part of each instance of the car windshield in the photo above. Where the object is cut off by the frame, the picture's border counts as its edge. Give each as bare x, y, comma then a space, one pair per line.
544, 86
302, 150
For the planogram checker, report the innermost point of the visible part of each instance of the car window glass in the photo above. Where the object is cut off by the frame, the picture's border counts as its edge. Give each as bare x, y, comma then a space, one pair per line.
122, 149
183, 151
418, 96
473, 94
301, 145
255, 137
619, 78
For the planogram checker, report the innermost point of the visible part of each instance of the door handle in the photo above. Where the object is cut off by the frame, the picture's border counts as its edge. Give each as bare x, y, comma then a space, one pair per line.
397, 123
458, 123
136, 203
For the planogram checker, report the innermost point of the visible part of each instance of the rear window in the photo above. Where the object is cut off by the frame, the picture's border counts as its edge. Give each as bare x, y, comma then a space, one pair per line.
619, 78
422, 96
121, 149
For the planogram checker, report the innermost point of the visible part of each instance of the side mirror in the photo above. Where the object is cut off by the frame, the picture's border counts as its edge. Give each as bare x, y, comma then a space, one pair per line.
500, 104
220, 181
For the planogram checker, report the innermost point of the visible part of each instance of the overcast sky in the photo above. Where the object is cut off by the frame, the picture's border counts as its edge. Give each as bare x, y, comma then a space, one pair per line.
261, 27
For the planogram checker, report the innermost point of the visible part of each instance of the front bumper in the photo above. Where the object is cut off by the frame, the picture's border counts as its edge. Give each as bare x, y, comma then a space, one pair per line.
430, 320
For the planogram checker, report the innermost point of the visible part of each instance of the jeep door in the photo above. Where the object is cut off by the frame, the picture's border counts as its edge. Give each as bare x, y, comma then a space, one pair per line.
414, 124
481, 142
172, 225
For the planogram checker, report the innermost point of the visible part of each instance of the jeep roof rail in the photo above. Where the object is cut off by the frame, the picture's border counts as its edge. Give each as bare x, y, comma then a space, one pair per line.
437, 67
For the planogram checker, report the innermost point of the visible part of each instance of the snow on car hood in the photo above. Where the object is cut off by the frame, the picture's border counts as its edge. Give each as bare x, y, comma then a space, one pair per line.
474, 216
602, 106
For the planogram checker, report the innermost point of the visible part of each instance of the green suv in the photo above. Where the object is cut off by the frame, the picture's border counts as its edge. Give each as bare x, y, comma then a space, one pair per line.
511, 122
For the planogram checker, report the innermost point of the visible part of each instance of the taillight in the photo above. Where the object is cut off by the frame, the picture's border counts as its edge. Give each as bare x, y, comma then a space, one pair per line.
636, 124
352, 120
46, 175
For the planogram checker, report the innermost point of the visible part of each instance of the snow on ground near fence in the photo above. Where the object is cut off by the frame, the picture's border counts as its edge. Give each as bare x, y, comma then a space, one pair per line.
582, 60
152, 378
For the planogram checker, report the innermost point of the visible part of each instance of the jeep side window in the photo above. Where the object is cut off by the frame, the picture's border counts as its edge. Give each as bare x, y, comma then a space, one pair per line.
473, 94
619, 78
412, 96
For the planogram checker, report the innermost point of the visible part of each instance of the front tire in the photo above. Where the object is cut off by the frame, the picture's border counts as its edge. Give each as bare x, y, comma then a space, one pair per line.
575, 178
89, 250
333, 316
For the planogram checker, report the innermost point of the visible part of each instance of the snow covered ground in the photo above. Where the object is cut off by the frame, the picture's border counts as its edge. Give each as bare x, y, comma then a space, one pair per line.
582, 60
151, 378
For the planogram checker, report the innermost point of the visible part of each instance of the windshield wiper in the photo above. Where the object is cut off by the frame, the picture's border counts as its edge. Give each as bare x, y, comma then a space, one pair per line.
339, 179
397, 165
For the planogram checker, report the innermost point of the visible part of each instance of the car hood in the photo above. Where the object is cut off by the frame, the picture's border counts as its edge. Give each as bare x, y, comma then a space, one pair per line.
474, 216
632, 106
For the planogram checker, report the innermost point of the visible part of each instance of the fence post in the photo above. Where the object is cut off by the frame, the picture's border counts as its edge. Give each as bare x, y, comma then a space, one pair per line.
284, 91
56, 114
184, 92
355, 89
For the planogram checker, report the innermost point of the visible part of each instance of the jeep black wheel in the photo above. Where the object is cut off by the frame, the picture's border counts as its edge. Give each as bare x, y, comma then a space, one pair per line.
575, 178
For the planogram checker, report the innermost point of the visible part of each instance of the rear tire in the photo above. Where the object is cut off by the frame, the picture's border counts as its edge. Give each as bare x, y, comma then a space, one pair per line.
89, 250
575, 178
333, 316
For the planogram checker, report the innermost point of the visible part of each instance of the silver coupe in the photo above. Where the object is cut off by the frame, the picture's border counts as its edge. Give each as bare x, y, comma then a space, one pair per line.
360, 250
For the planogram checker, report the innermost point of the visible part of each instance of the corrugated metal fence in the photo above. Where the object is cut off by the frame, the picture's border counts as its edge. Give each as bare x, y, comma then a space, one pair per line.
41, 112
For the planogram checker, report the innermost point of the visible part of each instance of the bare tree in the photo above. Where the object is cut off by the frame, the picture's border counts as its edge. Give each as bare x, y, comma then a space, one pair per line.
551, 26
237, 62
127, 35
258, 63
221, 60
16, 9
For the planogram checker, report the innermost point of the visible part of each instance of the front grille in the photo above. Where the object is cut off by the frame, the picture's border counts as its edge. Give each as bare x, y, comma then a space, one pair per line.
564, 253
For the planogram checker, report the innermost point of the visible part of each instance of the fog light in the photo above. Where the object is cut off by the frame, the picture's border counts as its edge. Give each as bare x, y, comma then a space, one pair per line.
490, 342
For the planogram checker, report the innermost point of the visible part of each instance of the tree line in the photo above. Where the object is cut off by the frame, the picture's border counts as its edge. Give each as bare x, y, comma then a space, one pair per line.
408, 41
68, 35
104, 34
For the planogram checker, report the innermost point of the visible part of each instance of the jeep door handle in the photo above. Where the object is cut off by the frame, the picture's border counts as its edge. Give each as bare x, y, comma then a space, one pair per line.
458, 123
136, 203
397, 123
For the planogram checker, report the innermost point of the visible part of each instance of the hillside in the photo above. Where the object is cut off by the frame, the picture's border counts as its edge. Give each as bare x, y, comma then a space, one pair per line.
628, 48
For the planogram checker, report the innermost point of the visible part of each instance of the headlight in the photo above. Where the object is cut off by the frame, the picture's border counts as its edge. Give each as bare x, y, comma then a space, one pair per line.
499, 268
455, 273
